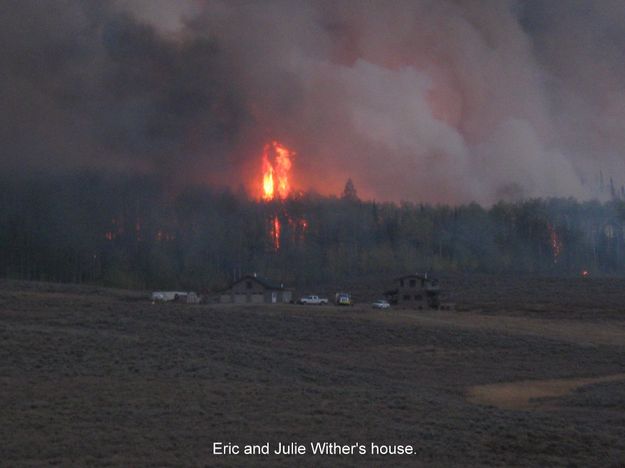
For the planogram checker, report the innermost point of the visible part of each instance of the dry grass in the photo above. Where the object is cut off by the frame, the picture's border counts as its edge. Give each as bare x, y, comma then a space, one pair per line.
91, 377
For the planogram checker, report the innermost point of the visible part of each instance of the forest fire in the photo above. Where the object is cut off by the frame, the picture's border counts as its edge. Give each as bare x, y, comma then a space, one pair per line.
294, 229
277, 164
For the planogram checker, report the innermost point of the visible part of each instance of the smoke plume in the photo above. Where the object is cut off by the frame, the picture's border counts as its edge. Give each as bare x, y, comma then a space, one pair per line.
435, 100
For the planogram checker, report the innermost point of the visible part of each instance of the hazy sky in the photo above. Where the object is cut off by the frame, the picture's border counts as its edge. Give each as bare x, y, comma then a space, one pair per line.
431, 100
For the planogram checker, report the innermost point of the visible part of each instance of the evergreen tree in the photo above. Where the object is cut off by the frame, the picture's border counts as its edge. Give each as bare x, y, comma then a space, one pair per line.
349, 192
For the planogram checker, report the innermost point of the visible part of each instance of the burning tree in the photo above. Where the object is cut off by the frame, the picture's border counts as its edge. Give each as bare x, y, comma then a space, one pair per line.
277, 163
276, 166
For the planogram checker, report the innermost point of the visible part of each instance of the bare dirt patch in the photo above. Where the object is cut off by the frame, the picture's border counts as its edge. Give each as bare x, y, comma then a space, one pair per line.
528, 394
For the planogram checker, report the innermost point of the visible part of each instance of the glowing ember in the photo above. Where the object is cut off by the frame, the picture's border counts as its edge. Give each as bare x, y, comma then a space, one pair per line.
118, 231
277, 163
302, 225
298, 228
275, 232
556, 244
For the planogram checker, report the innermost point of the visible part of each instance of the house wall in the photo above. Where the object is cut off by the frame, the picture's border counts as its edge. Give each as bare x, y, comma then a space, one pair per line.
269, 294
256, 298
281, 296
412, 293
413, 298
244, 292
251, 291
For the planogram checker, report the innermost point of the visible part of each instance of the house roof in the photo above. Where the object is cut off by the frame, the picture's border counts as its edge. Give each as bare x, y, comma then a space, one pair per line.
262, 281
414, 275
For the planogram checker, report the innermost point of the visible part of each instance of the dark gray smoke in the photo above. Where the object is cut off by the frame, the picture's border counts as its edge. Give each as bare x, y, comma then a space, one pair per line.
87, 84
432, 100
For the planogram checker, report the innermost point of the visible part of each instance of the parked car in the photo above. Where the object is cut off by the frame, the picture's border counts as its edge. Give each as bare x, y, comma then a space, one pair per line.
343, 298
380, 304
313, 300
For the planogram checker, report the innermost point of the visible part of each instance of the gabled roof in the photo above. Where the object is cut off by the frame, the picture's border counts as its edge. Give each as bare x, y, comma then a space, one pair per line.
426, 280
262, 281
414, 275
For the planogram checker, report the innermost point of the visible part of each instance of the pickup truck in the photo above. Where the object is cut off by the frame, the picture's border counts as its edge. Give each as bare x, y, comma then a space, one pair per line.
313, 300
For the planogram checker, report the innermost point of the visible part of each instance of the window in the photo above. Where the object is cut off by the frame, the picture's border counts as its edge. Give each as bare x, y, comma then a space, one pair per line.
418, 297
401, 283
248, 285
413, 283
406, 297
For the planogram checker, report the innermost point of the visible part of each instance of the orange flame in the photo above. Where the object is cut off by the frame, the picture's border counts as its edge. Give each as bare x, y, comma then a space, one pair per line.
275, 233
277, 164
268, 187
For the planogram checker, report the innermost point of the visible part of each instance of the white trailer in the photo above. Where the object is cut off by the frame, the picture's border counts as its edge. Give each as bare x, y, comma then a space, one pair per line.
168, 296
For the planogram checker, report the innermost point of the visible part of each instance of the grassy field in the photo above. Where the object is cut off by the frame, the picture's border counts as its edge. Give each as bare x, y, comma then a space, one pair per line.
527, 371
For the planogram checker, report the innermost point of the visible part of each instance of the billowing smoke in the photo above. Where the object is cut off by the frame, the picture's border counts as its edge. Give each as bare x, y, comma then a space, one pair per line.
432, 100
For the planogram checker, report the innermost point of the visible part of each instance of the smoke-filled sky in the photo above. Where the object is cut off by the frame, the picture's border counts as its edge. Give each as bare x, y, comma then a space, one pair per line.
424, 100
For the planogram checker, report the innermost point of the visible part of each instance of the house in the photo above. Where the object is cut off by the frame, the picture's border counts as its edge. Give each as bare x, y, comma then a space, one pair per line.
415, 291
251, 289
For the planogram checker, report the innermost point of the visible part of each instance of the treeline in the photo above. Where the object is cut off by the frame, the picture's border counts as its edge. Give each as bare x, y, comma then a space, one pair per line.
135, 232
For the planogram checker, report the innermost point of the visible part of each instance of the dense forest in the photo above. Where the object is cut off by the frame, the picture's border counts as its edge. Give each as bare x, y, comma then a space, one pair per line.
135, 232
